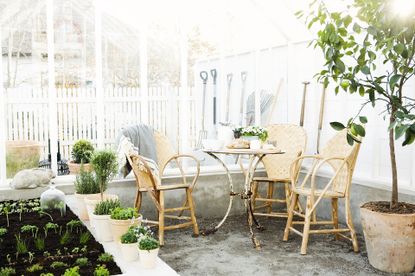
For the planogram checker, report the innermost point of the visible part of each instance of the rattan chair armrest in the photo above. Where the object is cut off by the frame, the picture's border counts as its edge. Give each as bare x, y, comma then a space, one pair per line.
182, 172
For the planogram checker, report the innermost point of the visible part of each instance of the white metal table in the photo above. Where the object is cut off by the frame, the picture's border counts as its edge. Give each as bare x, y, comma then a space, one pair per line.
255, 157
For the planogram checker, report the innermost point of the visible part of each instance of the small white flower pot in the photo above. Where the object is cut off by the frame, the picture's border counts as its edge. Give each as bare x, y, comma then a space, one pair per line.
148, 258
120, 227
129, 251
102, 227
255, 144
92, 200
81, 207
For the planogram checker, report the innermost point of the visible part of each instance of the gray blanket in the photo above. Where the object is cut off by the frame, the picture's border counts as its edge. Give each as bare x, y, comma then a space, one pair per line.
141, 136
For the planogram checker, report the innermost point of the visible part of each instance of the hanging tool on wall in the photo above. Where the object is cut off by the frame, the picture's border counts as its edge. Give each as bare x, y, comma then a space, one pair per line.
242, 104
228, 99
203, 131
305, 83
214, 74
274, 102
321, 116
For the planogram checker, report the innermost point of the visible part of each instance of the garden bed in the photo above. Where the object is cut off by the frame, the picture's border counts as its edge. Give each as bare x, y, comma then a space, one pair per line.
38, 242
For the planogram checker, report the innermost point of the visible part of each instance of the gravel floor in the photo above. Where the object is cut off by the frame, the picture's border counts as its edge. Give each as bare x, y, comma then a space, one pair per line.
230, 252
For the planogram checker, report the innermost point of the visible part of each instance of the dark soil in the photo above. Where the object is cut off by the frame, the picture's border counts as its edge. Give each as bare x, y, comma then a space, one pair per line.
68, 252
384, 207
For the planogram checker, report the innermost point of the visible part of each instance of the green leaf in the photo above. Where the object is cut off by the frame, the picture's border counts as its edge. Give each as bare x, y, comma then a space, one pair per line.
356, 28
360, 130
361, 91
400, 130
371, 30
409, 138
365, 70
337, 125
363, 119
350, 139
340, 65
399, 48
393, 81
405, 53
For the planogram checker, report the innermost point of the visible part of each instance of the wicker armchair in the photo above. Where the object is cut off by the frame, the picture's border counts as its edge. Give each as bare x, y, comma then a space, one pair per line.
341, 158
292, 139
147, 182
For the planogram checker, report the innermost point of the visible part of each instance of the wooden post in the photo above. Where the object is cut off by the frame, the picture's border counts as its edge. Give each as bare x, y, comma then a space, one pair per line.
3, 125
257, 92
53, 123
98, 75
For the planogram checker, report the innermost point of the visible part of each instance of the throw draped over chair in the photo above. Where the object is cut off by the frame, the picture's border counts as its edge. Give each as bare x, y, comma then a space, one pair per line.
341, 158
292, 139
147, 182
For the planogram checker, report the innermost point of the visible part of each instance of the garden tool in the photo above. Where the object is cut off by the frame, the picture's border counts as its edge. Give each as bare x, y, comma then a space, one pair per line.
274, 102
203, 132
241, 110
306, 83
228, 99
213, 72
250, 105
320, 119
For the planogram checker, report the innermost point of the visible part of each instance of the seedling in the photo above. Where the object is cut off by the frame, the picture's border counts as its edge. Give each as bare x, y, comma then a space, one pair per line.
84, 238
50, 226
74, 224
73, 271
31, 257
42, 212
40, 244
7, 271
30, 228
6, 211
21, 247
81, 261
34, 268
3, 231
105, 258
101, 270
57, 265
65, 238
9, 259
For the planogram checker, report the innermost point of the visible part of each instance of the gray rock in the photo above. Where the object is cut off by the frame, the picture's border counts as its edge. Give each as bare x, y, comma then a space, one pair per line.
32, 178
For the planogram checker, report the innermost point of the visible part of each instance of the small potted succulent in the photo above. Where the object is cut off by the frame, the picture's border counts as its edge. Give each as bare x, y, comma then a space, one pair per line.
104, 163
101, 218
148, 249
129, 243
81, 153
85, 185
122, 219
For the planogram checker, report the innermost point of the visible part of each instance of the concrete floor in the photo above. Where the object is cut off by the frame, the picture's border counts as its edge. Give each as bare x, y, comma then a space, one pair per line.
230, 252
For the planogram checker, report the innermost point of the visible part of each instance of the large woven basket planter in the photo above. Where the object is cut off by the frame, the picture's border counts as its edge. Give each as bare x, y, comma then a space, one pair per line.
120, 227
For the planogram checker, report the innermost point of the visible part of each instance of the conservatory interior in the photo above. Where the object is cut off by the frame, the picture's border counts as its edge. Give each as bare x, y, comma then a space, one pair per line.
222, 137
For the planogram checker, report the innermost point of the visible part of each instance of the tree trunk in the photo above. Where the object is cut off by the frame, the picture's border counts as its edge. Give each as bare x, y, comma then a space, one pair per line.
394, 201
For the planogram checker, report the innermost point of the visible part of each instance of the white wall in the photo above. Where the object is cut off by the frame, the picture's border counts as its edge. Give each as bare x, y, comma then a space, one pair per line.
297, 63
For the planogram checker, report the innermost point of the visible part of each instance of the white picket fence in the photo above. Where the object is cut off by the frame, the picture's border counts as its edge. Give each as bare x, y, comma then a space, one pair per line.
28, 113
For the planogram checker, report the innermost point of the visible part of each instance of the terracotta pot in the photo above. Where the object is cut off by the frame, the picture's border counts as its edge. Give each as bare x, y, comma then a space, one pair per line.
80, 205
21, 155
75, 168
148, 258
120, 227
102, 227
129, 251
92, 200
390, 240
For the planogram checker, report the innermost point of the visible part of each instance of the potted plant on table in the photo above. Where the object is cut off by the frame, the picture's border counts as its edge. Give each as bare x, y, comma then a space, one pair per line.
85, 185
81, 153
104, 163
148, 249
353, 45
101, 218
255, 134
122, 219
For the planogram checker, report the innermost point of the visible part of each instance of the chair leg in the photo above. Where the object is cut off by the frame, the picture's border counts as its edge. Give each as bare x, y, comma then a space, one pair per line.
254, 194
287, 195
270, 193
294, 199
306, 231
138, 200
192, 212
161, 218
335, 215
349, 222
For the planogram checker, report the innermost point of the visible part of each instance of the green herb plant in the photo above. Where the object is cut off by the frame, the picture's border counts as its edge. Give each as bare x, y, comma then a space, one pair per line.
105, 207
58, 265
82, 151
82, 262
34, 268
124, 213
7, 271
86, 183
84, 238
148, 243
129, 237
101, 270
105, 258
73, 271
104, 163
30, 228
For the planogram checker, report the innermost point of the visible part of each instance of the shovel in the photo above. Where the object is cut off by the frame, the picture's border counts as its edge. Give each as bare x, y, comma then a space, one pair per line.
213, 72
306, 83
241, 110
320, 119
228, 99
203, 132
